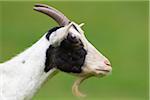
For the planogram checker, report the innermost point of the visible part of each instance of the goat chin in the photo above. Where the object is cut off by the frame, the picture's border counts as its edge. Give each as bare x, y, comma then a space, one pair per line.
80, 78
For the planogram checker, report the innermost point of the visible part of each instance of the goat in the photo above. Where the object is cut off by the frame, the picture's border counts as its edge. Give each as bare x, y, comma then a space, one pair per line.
63, 48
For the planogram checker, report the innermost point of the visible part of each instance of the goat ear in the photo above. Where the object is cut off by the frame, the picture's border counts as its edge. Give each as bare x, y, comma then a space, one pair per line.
82, 24
60, 35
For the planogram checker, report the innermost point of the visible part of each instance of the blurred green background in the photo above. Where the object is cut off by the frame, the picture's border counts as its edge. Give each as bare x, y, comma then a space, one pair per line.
118, 29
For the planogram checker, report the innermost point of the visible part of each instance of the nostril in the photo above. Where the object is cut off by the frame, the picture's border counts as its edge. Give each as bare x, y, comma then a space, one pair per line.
107, 63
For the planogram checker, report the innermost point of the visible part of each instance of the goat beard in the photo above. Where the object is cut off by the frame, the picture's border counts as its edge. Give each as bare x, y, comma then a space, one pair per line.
76, 84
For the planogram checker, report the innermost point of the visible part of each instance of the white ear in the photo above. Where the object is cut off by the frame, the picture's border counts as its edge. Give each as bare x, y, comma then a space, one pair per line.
81, 24
59, 35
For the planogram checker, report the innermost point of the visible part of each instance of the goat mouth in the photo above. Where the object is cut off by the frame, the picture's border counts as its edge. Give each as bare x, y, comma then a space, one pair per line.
102, 72
107, 71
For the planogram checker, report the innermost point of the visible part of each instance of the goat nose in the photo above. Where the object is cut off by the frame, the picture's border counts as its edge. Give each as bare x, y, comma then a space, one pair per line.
106, 62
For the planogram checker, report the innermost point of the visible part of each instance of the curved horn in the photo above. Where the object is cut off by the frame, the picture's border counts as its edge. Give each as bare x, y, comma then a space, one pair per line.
60, 18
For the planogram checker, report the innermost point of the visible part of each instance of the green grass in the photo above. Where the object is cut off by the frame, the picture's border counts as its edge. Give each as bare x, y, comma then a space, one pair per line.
118, 29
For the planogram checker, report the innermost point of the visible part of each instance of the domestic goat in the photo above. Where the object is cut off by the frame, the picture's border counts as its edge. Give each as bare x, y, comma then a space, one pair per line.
63, 48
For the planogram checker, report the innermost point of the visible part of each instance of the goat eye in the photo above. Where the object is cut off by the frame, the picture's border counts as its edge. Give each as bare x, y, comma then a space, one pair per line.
72, 39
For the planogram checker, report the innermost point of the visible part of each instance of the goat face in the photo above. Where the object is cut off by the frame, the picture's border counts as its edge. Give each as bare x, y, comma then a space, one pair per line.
70, 51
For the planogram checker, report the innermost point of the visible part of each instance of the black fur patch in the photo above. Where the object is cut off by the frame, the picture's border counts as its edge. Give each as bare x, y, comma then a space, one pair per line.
68, 57
51, 31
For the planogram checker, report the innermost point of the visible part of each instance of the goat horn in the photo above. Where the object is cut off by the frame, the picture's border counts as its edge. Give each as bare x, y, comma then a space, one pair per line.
59, 17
